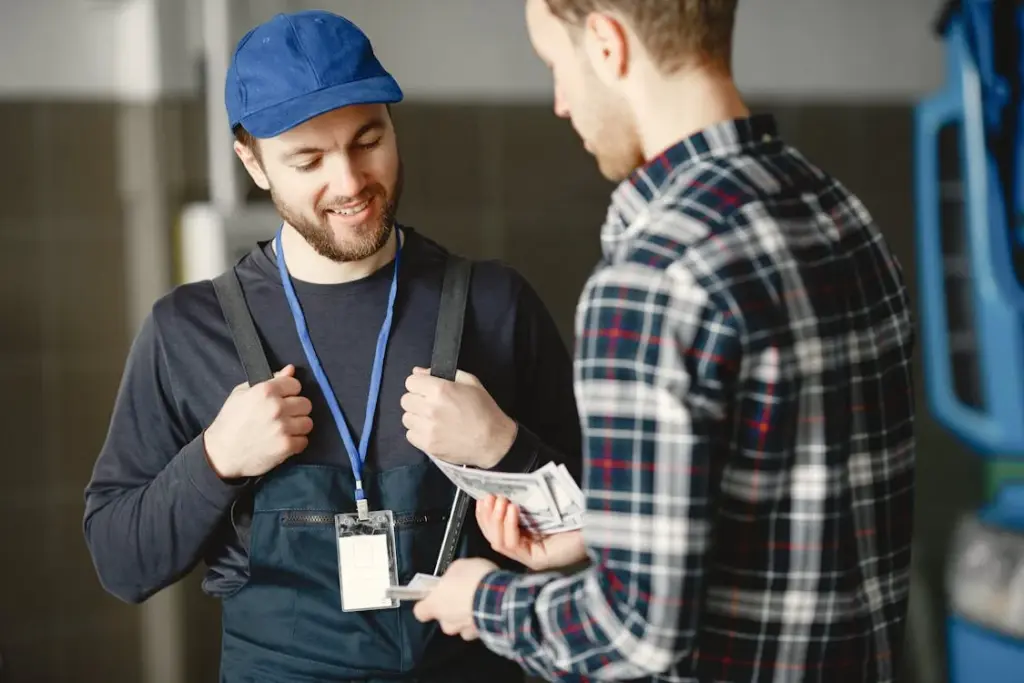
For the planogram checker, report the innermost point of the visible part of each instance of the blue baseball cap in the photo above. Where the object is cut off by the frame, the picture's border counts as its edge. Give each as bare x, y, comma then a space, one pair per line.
297, 66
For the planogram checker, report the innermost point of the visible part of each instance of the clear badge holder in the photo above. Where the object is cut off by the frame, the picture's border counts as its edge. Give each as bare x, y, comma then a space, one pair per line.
367, 565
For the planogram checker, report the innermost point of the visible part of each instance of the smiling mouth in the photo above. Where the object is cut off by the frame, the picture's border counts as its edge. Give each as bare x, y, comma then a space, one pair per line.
351, 209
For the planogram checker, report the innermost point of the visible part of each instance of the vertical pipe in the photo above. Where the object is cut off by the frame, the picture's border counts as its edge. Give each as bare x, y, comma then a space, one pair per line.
146, 46
225, 193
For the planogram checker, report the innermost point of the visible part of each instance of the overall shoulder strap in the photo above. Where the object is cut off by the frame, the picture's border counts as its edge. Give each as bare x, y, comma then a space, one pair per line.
243, 330
257, 369
450, 318
444, 363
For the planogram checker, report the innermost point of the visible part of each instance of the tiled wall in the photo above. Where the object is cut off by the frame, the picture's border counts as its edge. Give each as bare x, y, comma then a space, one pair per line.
61, 345
511, 182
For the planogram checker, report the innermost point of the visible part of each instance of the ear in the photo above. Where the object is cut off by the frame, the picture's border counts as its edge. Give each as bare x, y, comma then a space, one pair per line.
606, 43
252, 165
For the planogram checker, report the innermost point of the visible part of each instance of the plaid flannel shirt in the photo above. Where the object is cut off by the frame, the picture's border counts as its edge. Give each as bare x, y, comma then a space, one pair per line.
743, 374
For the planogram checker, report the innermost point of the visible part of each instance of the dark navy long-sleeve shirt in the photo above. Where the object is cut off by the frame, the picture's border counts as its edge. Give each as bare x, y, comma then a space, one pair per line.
154, 506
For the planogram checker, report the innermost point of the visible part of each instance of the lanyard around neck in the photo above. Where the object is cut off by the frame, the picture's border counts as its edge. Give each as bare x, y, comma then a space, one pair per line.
357, 456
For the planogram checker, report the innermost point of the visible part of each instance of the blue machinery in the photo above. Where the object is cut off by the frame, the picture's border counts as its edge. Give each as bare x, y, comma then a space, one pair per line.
970, 198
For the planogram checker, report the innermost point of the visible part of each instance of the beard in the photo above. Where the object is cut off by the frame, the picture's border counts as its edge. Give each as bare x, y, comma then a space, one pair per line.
608, 128
365, 240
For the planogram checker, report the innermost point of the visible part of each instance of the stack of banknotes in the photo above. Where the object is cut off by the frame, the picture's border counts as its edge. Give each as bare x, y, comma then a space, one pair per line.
549, 499
549, 502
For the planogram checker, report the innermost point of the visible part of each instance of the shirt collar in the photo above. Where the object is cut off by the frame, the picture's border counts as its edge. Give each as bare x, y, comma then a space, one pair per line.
649, 181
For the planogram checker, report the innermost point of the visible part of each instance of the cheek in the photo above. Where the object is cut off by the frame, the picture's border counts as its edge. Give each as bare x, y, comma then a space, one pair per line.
298, 190
385, 162
382, 164
567, 93
577, 100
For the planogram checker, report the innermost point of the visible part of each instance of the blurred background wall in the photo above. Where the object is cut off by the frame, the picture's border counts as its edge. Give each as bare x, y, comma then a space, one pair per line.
104, 131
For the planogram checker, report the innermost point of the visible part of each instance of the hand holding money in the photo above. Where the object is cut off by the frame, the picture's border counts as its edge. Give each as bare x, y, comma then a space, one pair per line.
417, 589
548, 500
499, 522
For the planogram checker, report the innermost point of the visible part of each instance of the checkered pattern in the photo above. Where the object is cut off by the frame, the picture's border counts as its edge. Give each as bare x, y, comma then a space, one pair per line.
743, 373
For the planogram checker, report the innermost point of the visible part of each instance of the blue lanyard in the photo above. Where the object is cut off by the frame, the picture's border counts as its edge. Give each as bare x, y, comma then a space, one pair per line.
356, 457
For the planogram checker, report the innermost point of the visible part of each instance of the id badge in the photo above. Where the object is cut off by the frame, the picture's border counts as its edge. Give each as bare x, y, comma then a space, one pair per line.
366, 560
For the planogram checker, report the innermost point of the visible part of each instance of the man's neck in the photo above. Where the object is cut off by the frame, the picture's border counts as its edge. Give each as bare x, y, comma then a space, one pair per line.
307, 265
674, 108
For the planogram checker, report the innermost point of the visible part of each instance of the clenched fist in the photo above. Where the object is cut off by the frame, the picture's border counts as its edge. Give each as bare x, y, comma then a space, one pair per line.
458, 422
259, 427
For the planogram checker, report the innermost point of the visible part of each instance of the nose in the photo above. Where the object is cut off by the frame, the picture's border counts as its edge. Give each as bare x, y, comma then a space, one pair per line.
347, 180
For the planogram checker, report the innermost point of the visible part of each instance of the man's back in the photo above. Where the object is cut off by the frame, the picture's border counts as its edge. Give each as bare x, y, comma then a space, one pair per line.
743, 377
761, 343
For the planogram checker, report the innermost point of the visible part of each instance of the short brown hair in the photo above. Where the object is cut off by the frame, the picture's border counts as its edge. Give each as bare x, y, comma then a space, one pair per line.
675, 32
248, 140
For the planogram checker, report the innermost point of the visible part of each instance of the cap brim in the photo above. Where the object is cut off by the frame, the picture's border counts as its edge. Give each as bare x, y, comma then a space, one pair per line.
275, 120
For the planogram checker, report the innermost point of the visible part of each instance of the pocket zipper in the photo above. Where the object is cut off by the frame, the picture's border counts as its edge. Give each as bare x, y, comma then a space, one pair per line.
303, 518
402, 521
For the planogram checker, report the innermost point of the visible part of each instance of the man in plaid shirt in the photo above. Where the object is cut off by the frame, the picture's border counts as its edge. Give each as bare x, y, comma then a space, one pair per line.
743, 374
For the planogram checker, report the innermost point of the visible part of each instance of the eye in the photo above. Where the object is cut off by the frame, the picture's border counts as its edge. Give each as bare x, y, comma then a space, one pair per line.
369, 144
308, 166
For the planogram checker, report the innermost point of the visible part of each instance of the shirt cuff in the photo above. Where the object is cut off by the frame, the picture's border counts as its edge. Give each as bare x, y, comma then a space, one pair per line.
522, 455
218, 492
495, 627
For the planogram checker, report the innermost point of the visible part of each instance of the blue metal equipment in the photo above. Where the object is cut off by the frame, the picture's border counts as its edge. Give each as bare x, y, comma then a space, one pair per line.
970, 196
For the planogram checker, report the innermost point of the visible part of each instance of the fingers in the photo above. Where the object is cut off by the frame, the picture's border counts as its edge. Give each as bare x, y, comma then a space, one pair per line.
510, 532
413, 423
499, 523
422, 384
449, 628
416, 433
298, 426
296, 406
294, 435
283, 386
485, 519
295, 445
484, 506
286, 371
422, 610
462, 377
416, 404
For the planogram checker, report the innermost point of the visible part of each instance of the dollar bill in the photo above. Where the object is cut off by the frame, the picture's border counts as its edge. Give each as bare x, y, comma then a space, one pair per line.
549, 499
527, 491
417, 589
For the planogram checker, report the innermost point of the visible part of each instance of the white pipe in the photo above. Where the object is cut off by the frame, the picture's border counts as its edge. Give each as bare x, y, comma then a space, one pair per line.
225, 193
147, 257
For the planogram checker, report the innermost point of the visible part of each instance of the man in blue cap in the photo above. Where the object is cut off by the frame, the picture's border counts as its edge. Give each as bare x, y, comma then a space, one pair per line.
306, 489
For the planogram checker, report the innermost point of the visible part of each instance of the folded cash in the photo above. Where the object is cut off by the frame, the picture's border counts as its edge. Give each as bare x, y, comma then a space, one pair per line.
427, 581
417, 589
549, 499
406, 593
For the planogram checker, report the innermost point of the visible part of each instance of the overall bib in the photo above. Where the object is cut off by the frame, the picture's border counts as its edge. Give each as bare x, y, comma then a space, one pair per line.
285, 623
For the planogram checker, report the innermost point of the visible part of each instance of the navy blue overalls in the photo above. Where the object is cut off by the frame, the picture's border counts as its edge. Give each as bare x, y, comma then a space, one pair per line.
284, 623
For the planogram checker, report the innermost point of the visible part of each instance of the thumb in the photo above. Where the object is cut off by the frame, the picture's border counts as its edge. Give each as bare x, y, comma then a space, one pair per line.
421, 371
422, 611
466, 378
286, 371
